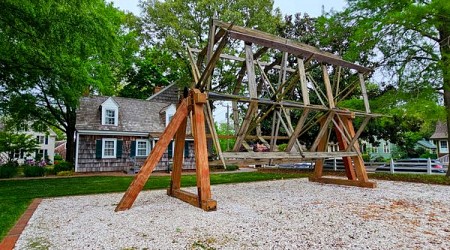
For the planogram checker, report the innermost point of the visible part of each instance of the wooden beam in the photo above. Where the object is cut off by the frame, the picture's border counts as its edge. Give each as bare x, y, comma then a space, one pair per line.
283, 44
365, 184
285, 155
242, 59
322, 145
211, 64
364, 92
193, 199
201, 152
326, 81
180, 137
303, 81
245, 124
358, 133
152, 160
297, 130
250, 71
343, 145
323, 129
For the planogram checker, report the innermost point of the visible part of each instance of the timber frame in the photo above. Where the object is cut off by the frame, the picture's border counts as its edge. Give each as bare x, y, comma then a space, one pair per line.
325, 114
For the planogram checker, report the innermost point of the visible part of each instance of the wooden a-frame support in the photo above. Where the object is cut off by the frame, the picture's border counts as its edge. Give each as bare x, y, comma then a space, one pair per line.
177, 127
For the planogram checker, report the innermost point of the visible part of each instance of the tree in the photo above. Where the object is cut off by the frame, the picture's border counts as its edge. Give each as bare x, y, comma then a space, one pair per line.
174, 24
409, 39
53, 52
154, 67
12, 142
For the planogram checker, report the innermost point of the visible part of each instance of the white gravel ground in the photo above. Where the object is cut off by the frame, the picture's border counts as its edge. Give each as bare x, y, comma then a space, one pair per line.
286, 214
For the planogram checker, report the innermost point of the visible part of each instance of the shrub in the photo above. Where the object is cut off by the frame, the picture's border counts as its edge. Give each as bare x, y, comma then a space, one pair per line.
50, 171
33, 171
8, 170
63, 166
58, 157
65, 173
366, 157
282, 147
232, 167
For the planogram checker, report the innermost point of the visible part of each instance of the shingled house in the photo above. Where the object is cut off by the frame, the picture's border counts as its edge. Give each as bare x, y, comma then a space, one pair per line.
117, 134
439, 138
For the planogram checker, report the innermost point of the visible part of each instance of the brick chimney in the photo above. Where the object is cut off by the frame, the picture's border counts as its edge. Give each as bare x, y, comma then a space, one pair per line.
157, 89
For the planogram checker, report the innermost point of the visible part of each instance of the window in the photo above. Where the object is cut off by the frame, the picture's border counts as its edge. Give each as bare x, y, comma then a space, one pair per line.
40, 139
443, 146
386, 147
109, 148
142, 147
110, 112
375, 150
110, 117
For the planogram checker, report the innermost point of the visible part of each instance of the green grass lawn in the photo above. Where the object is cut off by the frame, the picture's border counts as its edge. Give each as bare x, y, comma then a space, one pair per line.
16, 195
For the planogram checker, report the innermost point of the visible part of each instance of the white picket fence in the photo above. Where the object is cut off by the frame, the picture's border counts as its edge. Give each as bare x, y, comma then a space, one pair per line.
413, 167
444, 159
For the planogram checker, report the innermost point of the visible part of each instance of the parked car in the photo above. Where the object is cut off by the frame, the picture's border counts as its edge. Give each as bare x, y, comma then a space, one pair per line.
299, 165
413, 165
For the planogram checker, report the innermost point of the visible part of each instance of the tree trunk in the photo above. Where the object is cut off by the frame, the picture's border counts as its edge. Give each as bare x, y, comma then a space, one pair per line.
70, 146
444, 33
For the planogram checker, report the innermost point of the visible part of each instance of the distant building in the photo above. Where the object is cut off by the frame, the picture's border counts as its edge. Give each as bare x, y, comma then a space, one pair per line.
439, 138
45, 143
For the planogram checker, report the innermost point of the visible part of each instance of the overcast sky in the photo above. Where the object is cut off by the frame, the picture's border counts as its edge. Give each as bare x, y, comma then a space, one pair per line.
312, 7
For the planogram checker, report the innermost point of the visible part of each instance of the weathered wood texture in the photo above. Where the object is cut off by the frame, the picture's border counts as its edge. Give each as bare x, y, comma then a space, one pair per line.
152, 160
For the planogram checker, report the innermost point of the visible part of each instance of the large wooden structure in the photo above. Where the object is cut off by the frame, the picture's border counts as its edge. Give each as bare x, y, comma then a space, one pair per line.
272, 105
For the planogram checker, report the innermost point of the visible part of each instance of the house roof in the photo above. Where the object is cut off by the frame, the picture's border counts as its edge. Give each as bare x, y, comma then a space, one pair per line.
169, 94
134, 115
440, 131
426, 144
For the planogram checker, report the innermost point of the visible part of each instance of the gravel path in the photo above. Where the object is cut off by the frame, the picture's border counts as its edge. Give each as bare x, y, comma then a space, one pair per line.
286, 214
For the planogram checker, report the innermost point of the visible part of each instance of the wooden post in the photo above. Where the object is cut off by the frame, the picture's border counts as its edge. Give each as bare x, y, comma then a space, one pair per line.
343, 145
303, 81
364, 92
318, 168
152, 160
326, 80
201, 153
180, 138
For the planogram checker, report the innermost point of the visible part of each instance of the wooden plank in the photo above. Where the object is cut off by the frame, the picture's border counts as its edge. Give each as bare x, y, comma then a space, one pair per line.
336, 181
202, 53
343, 144
250, 71
209, 205
360, 169
288, 104
323, 129
201, 152
245, 124
180, 137
283, 44
211, 64
364, 92
303, 81
322, 145
358, 133
152, 160
194, 68
241, 59
285, 155
326, 80
297, 130
212, 128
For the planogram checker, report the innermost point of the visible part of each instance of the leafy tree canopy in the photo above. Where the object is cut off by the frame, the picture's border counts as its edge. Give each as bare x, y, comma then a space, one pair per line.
53, 52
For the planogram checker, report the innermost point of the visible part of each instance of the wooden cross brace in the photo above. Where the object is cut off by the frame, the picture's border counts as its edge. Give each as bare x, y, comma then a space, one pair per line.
177, 127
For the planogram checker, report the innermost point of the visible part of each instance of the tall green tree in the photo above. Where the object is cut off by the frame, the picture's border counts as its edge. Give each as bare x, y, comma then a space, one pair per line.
52, 52
174, 24
410, 40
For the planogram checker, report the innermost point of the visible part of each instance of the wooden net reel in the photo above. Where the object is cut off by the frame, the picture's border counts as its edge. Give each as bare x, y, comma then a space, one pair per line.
329, 117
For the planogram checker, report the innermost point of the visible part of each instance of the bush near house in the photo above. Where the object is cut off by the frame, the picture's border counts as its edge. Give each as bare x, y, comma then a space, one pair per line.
9, 170
33, 171
62, 166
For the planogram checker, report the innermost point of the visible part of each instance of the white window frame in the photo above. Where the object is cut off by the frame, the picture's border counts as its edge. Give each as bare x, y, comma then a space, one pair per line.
386, 148
105, 118
104, 140
41, 139
445, 148
110, 104
147, 148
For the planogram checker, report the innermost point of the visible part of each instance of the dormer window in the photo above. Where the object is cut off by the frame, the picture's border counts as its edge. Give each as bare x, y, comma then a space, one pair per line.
110, 117
110, 112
